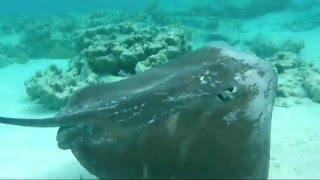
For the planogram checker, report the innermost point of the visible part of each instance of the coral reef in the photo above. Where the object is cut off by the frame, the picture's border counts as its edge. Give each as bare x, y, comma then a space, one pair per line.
113, 49
297, 79
209, 37
53, 86
265, 47
312, 87
5, 61
239, 9
48, 37
41, 40
253, 8
11, 54
103, 17
6, 29
302, 25
304, 22
206, 23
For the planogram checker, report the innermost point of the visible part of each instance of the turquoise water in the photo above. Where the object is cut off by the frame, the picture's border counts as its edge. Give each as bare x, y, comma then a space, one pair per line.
49, 50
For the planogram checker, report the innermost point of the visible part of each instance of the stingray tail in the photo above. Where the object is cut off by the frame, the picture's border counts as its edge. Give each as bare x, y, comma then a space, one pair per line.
61, 120
45, 122
56, 121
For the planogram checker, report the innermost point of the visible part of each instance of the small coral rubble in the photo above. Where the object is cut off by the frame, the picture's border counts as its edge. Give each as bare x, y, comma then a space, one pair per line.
297, 79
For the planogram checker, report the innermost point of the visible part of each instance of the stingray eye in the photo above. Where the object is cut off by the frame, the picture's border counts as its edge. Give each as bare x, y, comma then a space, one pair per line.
228, 94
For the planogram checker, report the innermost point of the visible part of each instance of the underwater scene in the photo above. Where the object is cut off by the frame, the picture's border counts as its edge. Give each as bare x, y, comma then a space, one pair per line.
160, 89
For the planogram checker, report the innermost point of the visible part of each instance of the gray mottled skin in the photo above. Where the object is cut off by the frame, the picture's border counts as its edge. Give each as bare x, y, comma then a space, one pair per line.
204, 115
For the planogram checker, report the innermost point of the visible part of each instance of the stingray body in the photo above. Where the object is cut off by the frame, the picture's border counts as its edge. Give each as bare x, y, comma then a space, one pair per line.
206, 115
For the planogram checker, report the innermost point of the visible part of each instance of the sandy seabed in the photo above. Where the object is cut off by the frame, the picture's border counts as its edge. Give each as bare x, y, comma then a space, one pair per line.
33, 153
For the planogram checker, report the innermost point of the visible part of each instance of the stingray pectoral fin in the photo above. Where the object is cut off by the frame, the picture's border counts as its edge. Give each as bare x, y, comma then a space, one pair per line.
45, 122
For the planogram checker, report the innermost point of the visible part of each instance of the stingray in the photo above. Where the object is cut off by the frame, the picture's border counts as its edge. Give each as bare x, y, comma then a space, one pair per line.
206, 114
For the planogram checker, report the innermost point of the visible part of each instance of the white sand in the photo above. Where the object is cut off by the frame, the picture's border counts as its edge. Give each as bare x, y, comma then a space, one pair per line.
295, 142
